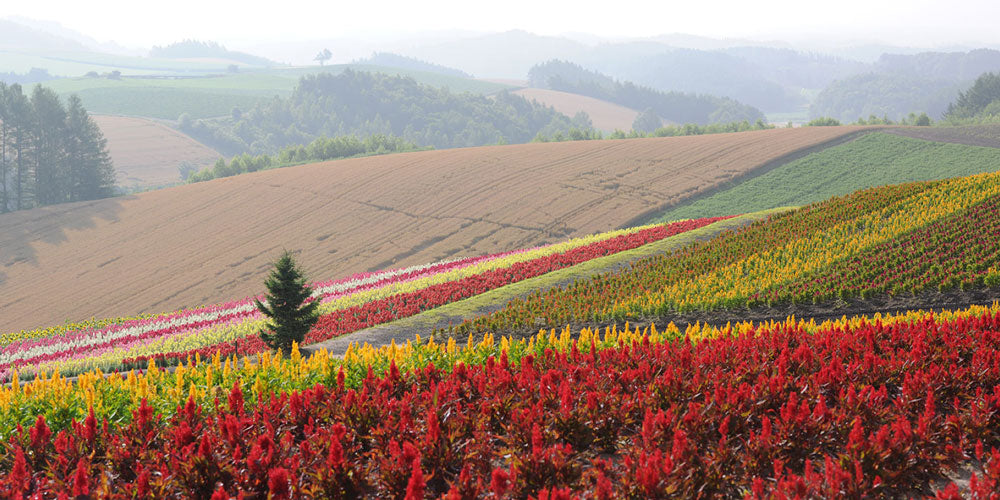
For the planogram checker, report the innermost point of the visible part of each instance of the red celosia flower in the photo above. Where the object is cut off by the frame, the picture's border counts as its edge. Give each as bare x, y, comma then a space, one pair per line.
81, 479
415, 487
278, 482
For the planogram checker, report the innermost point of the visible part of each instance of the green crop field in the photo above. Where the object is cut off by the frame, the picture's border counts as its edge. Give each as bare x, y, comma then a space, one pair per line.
874, 159
78, 63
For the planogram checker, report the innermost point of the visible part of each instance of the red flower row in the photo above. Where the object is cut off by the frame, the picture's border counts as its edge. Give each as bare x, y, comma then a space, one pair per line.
872, 410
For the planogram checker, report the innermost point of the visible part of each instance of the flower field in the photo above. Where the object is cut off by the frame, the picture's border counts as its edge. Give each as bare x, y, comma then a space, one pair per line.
347, 305
880, 406
896, 239
853, 408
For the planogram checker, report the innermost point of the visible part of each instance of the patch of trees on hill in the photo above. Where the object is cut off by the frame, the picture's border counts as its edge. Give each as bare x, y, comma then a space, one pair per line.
677, 107
35, 75
49, 153
980, 103
197, 49
322, 149
362, 104
397, 61
897, 85
883, 94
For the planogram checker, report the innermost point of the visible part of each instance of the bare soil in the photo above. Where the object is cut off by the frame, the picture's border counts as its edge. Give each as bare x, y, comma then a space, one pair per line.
148, 154
603, 114
214, 241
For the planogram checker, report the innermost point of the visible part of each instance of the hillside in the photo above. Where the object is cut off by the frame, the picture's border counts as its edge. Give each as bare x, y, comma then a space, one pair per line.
616, 400
604, 115
150, 154
912, 244
216, 94
872, 160
208, 242
678, 107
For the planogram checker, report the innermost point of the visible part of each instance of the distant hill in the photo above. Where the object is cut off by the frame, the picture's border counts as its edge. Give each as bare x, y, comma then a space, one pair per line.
771, 79
501, 55
397, 61
898, 84
195, 49
148, 154
603, 115
61, 32
362, 104
16, 36
676, 107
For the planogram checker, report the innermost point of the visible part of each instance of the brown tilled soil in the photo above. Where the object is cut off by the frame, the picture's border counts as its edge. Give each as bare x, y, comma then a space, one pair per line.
603, 114
147, 153
972, 135
215, 241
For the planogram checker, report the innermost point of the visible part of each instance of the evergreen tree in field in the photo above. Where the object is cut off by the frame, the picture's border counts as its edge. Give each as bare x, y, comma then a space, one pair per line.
290, 318
49, 154
18, 136
4, 128
91, 173
49, 158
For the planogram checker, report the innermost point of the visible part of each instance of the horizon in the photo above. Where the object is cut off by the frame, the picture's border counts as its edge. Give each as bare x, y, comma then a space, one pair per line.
923, 24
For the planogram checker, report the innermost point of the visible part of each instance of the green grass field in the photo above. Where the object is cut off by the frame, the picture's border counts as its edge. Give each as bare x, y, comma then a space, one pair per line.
78, 63
216, 95
874, 159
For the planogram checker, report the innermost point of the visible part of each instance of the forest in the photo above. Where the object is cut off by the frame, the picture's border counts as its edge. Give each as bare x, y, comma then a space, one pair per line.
677, 107
897, 84
49, 153
363, 104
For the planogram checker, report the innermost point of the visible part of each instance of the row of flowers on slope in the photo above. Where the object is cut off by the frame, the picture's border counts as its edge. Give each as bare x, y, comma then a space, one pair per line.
938, 234
346, 305
374, 312
859, 408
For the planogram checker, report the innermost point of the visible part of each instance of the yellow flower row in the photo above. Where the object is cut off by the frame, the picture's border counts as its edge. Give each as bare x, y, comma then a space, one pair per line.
92, 323
739, 280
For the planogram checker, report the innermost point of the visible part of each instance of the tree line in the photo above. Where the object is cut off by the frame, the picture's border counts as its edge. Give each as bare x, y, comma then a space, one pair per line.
979, 104
662, 131
322, 149
49, 153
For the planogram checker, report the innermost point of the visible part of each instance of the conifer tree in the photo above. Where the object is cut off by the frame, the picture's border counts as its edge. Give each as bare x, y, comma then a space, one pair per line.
4, 128
91, 172
290, 317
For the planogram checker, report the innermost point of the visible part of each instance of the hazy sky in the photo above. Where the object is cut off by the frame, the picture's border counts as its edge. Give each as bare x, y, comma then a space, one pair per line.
142, 24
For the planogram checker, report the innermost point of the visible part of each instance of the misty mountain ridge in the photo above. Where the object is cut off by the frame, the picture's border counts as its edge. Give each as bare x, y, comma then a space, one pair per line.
391, 60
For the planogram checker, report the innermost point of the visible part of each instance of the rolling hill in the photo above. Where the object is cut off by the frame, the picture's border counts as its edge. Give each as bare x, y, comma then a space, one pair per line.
211, 241
149, 154
604, 115
211, 95
872, 160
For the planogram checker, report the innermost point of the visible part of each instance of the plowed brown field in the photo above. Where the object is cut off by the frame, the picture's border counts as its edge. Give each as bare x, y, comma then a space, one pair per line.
603, 114
214, 241
147, 154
